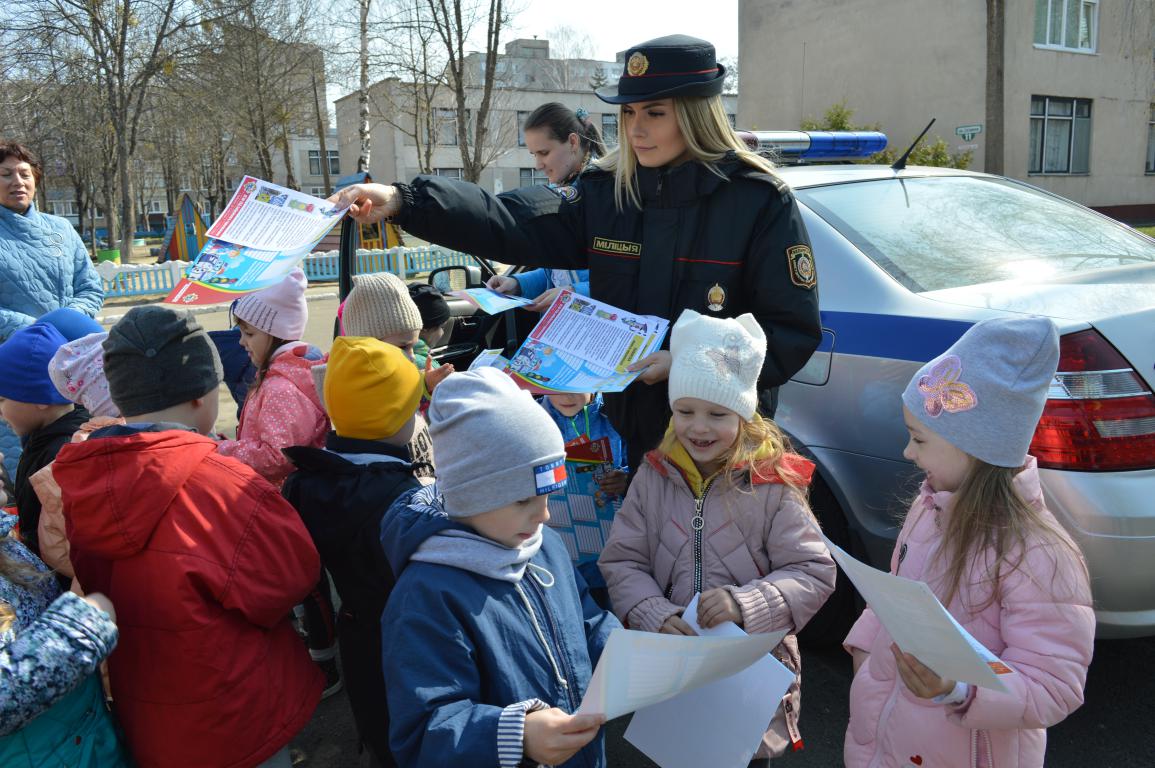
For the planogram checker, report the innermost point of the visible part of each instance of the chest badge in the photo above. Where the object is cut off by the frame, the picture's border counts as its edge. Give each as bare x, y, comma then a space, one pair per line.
716, 298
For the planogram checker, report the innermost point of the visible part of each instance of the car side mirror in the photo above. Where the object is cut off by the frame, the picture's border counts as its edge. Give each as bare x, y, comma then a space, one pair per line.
455, 278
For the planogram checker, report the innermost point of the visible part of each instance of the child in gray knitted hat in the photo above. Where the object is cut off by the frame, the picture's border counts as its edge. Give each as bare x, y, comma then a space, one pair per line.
489, 637
980, 535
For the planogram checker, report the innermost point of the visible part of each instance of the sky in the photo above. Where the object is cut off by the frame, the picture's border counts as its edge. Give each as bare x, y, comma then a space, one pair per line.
615, 25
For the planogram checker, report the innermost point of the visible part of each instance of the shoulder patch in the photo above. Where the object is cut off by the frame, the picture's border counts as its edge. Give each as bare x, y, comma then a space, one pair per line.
801, 262
568, 193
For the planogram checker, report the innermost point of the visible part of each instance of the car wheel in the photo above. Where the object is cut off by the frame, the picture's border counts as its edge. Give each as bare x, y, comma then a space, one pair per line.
829, 627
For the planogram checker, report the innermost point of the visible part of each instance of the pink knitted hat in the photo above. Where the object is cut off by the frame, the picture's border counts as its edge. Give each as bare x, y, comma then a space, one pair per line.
77, 370
279, 310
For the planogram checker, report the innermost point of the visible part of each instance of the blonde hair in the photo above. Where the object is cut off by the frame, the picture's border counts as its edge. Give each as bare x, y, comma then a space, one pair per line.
758, 450
989, 514
709, 138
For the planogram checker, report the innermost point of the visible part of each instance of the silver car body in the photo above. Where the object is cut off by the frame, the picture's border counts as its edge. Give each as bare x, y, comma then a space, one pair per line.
845, 407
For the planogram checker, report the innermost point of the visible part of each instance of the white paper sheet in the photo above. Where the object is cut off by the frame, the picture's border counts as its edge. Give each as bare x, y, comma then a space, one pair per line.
720, 724
921, 626
640, 669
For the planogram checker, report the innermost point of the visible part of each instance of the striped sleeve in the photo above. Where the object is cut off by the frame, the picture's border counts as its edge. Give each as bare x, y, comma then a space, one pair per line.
511, 731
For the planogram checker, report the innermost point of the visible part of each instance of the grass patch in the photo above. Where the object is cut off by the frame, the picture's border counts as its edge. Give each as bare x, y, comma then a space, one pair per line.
1149, 231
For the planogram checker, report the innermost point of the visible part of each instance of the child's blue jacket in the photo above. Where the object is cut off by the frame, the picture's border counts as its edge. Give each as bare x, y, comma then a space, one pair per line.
459, 647
599, 427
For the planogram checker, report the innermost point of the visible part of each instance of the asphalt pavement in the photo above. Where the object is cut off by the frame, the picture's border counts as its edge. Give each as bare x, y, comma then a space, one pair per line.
1115, 728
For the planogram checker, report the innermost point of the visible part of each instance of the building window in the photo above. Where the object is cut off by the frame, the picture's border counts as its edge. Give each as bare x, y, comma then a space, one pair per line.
451, 173
317, 192
1068, 24
733, 120
315, 162
1060, 135
1151, 141
531, 176
156, 206
445, 126
64, 207
610, 129
521, 118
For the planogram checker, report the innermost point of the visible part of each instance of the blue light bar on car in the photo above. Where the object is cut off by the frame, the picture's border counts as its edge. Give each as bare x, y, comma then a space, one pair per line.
816, 145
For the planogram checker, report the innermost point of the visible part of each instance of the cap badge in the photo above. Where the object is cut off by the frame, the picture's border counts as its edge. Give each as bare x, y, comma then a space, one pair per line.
716, 298
638, 64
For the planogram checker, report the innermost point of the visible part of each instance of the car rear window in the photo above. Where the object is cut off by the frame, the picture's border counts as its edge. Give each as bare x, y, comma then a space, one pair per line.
945, 232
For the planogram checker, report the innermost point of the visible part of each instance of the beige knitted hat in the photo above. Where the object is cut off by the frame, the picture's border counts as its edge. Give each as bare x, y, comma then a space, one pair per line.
378, 306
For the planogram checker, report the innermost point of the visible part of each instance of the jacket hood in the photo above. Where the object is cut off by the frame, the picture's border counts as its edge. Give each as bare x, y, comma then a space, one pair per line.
413, 518
120, 483
294, 361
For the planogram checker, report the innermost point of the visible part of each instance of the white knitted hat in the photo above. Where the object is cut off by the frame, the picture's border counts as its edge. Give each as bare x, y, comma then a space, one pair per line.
717, 360
279, 310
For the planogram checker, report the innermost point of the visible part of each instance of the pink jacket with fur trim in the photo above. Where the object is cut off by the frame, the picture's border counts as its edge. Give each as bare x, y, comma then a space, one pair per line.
1042, 626
758, 541
284, 411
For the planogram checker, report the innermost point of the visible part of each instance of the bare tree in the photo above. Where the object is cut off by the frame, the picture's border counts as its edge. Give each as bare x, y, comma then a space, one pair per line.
995, 103
127, 45
454, 21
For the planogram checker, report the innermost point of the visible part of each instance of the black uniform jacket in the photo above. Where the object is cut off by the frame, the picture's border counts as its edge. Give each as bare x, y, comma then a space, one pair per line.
721, 242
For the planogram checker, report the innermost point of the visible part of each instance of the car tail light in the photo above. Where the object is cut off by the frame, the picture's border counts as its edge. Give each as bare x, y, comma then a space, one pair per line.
1100, 415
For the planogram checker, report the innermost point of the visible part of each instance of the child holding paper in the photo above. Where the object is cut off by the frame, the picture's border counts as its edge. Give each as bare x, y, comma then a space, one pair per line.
581, 421
490, 637
720, 509
980, 535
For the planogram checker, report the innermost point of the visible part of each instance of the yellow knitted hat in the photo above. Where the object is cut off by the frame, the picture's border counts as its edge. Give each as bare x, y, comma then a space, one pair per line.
371, 389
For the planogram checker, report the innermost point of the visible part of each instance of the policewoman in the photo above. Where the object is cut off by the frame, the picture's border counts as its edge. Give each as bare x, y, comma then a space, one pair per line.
681, 216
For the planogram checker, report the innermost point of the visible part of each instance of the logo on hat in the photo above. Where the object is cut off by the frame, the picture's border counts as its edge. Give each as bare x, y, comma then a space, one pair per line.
638, 64
801, 260
549, 477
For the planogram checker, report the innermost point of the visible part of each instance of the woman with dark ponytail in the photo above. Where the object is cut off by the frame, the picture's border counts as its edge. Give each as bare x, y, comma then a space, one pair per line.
562, 142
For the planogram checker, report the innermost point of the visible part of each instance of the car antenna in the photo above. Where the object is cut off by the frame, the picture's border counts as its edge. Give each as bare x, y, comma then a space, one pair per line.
900, 163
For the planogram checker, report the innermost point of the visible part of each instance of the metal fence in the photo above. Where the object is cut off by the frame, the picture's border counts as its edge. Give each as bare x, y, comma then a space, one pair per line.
151, 279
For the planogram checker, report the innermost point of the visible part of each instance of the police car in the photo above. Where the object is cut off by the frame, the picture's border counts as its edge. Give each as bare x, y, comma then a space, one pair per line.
908, 260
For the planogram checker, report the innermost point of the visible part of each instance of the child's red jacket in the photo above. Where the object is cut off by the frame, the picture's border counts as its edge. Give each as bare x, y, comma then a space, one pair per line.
203, 561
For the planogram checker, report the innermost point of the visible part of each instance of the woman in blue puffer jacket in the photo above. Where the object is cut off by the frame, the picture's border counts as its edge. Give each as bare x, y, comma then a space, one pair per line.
43, 263
52, 708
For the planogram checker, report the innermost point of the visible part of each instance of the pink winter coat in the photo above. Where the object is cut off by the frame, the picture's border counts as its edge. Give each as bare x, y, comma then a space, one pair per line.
760, 543
1042, 626
284, 411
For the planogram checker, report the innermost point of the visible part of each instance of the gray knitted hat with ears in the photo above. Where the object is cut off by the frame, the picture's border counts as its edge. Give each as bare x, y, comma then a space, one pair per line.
494, 444
986, 393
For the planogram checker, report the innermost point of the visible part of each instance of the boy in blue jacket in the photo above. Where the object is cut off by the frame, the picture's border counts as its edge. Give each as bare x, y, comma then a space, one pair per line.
490, 637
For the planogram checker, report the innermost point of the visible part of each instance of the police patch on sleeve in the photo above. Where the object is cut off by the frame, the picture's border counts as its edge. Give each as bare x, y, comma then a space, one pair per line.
801, 262
568, 193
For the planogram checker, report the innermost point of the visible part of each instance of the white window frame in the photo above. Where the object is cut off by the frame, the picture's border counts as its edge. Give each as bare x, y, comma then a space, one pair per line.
445, 126
1150, 169
155, 206
536, 177
449, 173
315, 162
610, 118
317, 192
1049, 119
1044, 7
63, 207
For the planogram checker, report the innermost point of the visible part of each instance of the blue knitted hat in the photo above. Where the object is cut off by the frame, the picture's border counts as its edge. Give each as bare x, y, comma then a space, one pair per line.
72, 324
24, 362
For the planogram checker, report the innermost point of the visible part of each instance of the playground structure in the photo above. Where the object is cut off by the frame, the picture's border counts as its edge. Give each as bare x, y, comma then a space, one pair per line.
185, 235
